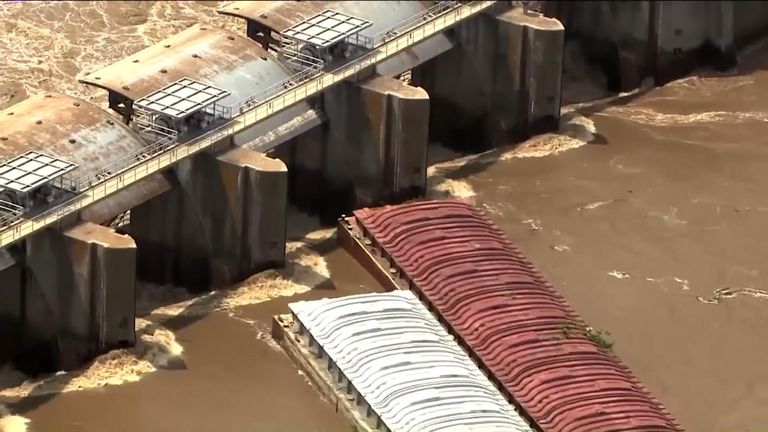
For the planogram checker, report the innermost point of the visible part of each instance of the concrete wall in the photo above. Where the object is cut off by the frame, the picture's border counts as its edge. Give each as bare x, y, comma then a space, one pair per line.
666, 40
691, 33
750, 21
501, 82
304, 156
10, 306
616, 20
224, 221
614, 35
375, 144
79, 293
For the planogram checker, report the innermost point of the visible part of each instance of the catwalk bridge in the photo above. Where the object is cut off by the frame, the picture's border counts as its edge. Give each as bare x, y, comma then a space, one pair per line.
183, 119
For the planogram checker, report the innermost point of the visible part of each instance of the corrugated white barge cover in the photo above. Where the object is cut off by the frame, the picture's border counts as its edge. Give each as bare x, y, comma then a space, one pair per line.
410, 371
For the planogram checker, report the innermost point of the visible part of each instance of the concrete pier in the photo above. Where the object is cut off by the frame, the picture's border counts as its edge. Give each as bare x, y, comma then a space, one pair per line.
375, 143
502, 81
223, 222
79, 293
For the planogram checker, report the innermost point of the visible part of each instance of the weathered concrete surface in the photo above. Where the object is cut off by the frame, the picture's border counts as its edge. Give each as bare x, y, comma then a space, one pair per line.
614, 36
106, 210
267, 19
79, 293
304, 157
264, 182
540, 69
10, 306
501, 82
279, 129
750, 21
224, 221
375, 143
692, 33
665, 40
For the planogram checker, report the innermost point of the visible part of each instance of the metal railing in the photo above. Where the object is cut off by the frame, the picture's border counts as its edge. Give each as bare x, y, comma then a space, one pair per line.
159, 139
361, 40
290, 54
9, 213
121, 220
308, 68
67, 183
281, 97
440, 8
217, 111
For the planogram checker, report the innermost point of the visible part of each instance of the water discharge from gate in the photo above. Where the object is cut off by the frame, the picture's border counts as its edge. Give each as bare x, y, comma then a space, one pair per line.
641, 205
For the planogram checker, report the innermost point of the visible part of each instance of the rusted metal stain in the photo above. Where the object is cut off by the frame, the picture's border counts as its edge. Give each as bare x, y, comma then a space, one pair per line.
248, 9
68, 128
202, 53
280, 128
277, 15
513, 323
233, 174
375, 94
280, 15
80, 248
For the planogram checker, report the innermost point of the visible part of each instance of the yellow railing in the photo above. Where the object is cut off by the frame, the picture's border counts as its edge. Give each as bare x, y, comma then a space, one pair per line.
322, 81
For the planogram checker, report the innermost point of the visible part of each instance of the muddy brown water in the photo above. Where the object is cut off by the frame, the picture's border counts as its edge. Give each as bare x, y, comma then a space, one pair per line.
232, 381
654, 231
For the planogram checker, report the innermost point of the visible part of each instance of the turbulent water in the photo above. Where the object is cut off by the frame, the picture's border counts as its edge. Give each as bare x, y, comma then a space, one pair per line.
644, 209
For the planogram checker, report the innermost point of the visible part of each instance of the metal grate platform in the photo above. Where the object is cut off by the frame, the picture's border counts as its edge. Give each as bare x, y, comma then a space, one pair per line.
182, 98
32, 170
326, 28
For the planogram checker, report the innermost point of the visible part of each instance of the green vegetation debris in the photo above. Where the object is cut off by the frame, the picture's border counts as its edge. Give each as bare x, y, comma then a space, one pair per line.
599, 338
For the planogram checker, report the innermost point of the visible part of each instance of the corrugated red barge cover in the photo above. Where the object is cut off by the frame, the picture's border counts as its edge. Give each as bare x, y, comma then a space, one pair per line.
521, 330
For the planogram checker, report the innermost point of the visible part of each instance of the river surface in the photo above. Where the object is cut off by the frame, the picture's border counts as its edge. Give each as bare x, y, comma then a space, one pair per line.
645, 210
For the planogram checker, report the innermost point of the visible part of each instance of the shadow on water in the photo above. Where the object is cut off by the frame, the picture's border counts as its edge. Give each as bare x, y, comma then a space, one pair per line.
597, 106
40, 394
197, 308
474, 164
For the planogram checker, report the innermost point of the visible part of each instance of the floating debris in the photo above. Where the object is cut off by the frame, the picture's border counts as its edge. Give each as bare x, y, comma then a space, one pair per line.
534, 224
730, 292
684, 284
619, 274
594, 205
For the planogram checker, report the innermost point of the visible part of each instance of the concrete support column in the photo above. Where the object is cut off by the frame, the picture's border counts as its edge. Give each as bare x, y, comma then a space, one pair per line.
376, 143
80, 292
502, 81
540, 71
223, 222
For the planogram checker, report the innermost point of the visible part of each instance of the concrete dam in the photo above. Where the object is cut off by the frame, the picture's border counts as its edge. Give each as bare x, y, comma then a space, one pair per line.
212, 134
